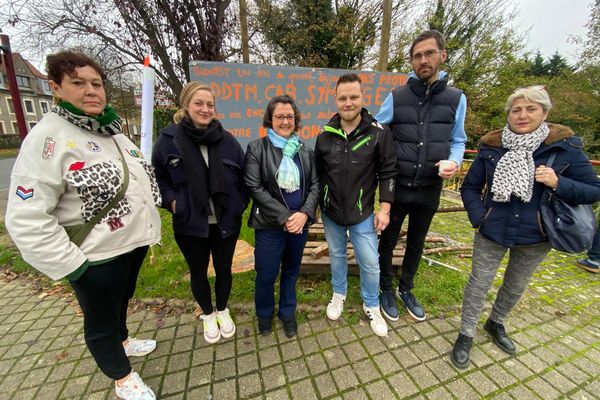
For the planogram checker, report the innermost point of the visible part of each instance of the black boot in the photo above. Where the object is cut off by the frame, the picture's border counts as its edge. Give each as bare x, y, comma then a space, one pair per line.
498, 335
265, 326
290, 327
460, 351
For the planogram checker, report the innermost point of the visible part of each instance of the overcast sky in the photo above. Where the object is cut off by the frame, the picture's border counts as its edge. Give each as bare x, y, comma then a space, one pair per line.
552, 22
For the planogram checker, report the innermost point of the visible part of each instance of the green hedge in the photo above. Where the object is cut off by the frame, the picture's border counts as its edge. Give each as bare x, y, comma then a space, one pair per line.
10, 142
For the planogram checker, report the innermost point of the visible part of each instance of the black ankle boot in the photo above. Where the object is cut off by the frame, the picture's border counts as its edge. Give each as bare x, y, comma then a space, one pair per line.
498, 335
265, 326
460, 351
290, 327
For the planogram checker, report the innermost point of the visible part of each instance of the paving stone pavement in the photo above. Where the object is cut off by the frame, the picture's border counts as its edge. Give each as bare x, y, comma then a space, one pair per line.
43, 355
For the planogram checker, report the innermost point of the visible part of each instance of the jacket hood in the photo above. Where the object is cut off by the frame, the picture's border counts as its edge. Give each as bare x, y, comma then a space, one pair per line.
557, 132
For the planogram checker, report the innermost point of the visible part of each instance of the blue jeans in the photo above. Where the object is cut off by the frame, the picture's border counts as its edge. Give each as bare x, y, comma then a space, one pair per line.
364, 239
594, 251
275, 249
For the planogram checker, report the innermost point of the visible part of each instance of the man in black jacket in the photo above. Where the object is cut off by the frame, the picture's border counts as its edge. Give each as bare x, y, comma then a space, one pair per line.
426, 118
354, 153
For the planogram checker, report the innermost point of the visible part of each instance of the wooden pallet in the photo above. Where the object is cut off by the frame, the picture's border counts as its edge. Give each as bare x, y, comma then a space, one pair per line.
315, 259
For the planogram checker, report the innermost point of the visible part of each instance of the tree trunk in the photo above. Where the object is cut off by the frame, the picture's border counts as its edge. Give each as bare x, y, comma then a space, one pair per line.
244, 31
385, 35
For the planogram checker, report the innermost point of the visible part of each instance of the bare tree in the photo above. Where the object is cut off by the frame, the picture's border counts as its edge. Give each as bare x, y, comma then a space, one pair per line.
174, 32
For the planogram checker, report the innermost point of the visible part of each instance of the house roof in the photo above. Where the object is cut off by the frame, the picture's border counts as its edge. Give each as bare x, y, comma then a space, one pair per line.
34, 71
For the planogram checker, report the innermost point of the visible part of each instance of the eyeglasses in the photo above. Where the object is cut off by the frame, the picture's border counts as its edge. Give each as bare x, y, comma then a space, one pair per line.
280, 118
427, 54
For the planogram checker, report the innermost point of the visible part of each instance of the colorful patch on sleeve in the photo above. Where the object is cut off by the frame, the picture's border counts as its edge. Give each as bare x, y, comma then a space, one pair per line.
135, 153
23, 193
76, 166
71, 144
49, 146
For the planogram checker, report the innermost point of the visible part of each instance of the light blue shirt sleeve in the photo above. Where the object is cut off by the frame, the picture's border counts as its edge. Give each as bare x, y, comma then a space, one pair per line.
458, 136
386, 112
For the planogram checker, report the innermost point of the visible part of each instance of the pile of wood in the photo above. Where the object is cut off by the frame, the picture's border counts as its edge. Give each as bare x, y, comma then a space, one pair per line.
316, 253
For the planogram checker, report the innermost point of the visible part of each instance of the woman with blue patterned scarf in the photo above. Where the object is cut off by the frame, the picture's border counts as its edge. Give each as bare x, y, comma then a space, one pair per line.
282, 180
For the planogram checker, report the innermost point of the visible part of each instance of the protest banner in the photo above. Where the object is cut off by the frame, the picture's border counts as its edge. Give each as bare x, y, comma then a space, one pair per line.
242, 92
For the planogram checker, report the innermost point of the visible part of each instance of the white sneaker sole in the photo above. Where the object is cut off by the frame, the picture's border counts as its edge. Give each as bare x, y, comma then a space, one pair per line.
387, 316
212, 340
382, 334
228, 335
333, 318
418, 319
141, 353
372, 323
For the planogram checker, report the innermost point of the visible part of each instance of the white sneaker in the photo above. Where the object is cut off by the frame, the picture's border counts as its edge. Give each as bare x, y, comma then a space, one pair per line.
226, 324
377, 322
139, 347
134, 388
211, 328
335, 306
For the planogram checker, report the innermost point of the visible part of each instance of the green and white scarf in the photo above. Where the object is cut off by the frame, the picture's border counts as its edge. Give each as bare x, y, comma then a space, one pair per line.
108, 123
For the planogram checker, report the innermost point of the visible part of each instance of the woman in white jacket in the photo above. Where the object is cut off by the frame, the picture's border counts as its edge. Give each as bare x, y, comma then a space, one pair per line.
82, 206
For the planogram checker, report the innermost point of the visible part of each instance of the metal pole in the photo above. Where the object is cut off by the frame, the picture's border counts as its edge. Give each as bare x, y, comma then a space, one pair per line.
12, 84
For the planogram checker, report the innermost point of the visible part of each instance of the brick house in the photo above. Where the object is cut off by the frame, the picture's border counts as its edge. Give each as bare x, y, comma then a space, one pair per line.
36, 96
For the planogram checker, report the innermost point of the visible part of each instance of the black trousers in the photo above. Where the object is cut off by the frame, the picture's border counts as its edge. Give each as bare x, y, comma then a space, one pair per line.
420, 205
103, 292
196, 251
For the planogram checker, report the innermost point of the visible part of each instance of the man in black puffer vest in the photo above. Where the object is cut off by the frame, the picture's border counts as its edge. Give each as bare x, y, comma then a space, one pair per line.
426, 118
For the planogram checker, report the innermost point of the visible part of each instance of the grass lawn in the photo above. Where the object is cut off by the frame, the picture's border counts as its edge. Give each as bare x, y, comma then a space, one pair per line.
8, 153
438, 288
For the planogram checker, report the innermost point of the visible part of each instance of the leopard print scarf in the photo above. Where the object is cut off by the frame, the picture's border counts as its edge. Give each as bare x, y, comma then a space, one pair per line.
515, 171
109, 123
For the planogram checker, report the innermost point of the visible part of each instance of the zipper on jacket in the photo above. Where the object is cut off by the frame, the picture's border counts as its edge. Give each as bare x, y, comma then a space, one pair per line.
326, 196
344, 177
359, 202
283, 198
362, 142
540, 224
339, 132
302, 186
487, 214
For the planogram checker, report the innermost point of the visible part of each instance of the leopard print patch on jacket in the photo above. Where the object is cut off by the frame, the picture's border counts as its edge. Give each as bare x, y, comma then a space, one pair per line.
153, 184
96, 186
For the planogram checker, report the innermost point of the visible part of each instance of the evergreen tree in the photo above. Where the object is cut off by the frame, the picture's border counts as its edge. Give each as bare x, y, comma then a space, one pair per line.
312, 33
556, 65
539, 66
